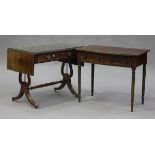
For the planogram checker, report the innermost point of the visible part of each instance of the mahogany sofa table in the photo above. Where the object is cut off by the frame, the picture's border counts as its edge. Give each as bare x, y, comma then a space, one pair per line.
113, 56
23, 60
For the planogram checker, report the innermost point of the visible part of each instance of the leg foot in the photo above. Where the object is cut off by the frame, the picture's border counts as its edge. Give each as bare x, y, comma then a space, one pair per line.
20, 95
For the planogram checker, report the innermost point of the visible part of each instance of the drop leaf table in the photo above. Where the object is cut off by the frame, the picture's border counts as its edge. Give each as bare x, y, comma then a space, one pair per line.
24, 59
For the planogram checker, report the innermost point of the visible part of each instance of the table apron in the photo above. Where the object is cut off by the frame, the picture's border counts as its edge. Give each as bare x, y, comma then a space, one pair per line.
113, 60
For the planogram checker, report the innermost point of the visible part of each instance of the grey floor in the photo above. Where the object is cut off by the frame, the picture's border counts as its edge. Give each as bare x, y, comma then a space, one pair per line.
112, 84
111, 98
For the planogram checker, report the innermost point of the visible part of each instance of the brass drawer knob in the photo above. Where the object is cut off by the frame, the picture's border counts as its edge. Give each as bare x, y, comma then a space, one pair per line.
48, 57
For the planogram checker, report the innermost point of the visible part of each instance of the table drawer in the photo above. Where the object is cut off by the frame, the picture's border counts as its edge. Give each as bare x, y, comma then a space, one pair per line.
105, 59
58, 56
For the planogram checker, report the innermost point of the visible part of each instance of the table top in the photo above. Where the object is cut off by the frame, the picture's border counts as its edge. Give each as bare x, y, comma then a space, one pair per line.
112, 50
45, 48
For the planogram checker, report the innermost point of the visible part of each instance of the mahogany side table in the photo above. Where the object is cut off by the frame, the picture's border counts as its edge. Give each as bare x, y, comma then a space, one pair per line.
113, 56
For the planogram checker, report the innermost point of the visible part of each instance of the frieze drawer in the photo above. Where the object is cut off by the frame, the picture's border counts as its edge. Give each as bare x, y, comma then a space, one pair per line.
59, 56
105, 59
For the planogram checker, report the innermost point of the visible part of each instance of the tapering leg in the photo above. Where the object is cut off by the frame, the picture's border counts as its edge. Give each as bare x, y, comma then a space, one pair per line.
79, 81
132, 89
92, 79
143, 82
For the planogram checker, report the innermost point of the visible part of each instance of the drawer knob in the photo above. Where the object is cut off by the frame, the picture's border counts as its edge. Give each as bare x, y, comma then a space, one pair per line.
48, 57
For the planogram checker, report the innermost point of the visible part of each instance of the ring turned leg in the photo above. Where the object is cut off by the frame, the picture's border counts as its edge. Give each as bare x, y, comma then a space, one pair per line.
79, 81
143, 82
25, 90
92, 79
67, 80
132, 89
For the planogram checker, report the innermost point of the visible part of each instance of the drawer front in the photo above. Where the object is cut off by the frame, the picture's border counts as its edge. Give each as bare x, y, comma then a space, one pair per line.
58, 56
113, 60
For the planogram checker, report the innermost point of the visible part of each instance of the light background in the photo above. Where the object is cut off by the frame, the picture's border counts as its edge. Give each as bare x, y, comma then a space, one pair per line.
112, 84
74, 136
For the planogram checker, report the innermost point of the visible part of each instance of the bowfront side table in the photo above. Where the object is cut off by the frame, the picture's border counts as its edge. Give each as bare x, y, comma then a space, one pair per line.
23, 60
113, 56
